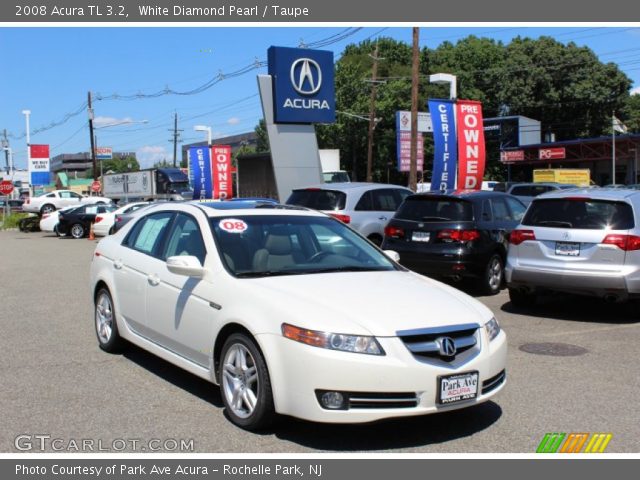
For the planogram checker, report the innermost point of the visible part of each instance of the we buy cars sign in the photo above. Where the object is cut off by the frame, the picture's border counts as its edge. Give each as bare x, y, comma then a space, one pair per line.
221, 171
471, 152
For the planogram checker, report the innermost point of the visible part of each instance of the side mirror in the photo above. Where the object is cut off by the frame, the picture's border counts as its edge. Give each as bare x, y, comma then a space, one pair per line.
186, 265
393, 255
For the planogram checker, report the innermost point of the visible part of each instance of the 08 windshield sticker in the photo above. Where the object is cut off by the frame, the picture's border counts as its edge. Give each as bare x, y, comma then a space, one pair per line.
233, 225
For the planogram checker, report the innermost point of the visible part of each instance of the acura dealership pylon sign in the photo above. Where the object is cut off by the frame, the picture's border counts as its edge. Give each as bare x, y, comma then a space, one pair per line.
303, 85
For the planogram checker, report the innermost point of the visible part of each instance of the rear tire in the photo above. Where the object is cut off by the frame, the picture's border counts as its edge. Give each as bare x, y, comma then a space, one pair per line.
244, 383
375, 239
522, 299
47, 208
106, 326
77, 231
493, 275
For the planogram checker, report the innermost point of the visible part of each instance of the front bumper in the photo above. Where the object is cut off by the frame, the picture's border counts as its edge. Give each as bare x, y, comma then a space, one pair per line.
297, 371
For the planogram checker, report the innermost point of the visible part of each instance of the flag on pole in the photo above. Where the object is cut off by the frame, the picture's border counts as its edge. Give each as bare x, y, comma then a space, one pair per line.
618, 126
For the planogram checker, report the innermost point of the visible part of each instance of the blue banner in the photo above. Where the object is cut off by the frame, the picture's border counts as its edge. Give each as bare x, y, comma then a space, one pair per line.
445, 152
200, 162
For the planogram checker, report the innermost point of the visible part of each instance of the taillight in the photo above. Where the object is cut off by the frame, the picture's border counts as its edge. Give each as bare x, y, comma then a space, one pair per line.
393, 232
118, 218
342, 217
28, 200
623, 242
518, 236
454, 235
98, 219
60, 217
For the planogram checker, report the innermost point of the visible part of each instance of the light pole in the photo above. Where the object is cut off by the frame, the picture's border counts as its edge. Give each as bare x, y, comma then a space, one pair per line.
26, 114
444, 78
204, 128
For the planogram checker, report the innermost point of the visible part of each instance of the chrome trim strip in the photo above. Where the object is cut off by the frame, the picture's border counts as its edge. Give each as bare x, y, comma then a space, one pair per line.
437, 330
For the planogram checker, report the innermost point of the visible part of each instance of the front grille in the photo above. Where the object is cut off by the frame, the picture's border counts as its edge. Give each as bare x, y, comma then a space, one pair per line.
427, 343
374, 400
494, 382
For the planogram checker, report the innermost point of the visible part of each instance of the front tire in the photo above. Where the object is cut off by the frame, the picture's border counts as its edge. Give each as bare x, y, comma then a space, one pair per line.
77, 230
245, 384
109, 339
493, 275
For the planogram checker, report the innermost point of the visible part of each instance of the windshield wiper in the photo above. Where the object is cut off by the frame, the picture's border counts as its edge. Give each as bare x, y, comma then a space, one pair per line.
267, 273
432, 219
556, 223
347, 268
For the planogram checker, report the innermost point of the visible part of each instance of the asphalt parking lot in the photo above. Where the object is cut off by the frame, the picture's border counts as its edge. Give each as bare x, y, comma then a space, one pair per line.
58, 383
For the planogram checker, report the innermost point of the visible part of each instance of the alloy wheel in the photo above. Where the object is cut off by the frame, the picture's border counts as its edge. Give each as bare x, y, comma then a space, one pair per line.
240, 381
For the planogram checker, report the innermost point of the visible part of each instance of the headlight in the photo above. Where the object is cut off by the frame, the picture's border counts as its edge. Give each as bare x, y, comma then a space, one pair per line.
333, 341
493, 328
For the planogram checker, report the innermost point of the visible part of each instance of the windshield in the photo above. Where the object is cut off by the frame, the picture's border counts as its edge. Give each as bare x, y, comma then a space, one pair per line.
269, 245
583, 213
426, 208
318, 199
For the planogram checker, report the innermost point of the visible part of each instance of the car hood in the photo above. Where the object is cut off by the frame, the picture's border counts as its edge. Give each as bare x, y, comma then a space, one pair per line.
368, 303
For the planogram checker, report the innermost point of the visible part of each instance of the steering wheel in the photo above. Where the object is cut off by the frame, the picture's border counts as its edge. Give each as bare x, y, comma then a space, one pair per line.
316, 257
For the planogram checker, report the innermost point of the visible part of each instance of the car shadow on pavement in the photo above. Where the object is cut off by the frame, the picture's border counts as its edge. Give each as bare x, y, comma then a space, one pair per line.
578, 309
389, 434
177, 376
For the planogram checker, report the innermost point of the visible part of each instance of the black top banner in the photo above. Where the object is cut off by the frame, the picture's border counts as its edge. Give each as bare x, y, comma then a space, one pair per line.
293, 11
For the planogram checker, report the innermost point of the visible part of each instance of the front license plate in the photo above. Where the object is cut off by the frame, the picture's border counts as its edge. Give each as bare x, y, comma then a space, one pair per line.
421, 236
457, 388
570, 249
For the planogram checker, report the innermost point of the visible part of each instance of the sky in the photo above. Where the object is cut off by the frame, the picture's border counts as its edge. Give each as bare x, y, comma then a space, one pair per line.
50, 70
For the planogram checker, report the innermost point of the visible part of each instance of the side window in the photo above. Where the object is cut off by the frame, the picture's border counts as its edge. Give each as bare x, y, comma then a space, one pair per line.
65, 194
400, 195
517, 209
365, 202
51, 195
384, 200
500, 210
91, 209
74, 195
486, 211
522, 191
148, 233
185, 239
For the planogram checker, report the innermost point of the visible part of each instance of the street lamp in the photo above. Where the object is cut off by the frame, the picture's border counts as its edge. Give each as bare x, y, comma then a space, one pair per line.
444, 78
204, 128
26, 114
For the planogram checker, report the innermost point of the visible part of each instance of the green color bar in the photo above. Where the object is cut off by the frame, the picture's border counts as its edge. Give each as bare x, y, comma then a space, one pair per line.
550, 442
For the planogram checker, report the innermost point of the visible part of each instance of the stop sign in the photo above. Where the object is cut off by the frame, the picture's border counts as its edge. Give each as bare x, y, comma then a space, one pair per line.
96, 186
6, 187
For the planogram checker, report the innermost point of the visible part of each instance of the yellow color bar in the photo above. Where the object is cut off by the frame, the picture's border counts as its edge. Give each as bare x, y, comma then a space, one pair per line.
598, 443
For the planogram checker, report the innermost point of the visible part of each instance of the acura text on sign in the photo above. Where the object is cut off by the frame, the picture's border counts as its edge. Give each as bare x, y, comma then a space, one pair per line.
471, 152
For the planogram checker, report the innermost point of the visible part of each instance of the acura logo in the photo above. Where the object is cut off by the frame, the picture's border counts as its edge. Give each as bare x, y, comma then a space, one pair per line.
447, 346
309, 78
566, 236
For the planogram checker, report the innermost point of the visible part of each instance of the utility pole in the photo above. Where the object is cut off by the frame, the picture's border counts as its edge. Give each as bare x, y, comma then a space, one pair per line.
93, 147
5, 146
174, 138
372, 113
413, 168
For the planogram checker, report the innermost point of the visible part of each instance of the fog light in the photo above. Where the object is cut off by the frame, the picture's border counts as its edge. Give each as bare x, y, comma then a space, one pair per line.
332, 400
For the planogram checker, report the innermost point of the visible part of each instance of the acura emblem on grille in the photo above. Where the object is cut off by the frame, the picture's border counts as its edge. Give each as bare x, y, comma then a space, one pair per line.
447, 346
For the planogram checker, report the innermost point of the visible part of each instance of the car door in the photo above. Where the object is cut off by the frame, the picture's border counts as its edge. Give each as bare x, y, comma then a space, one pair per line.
179, 316
501, 223
375, 208
134, 263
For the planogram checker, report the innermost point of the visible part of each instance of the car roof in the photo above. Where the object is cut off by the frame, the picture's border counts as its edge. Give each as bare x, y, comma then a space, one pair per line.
592, 193
350, 186
544, 184
466, 194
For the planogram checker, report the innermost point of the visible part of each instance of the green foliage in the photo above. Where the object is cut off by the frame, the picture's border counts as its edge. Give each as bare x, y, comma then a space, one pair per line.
120, 165
630, 113
262, 141
11, 220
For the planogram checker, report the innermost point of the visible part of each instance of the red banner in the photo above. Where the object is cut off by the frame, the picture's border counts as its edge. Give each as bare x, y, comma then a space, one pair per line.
556, 153
471, 152
511, 156
221, 170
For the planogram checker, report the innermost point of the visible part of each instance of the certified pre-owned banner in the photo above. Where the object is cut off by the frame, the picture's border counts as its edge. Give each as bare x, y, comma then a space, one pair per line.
200, 159
221, 167
470, 145
444, 144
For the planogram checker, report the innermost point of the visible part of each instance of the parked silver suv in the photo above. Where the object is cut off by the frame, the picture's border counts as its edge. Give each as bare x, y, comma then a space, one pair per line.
367, 207
583, 241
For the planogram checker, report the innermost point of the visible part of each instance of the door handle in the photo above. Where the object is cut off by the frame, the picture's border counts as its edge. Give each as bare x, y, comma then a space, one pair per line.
153, 280
117, 264
382, 218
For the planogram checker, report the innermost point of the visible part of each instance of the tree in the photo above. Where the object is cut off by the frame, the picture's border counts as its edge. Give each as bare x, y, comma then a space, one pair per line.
630, 113
262, 140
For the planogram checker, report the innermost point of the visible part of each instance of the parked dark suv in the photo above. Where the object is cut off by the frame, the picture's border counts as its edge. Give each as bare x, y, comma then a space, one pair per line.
455, 234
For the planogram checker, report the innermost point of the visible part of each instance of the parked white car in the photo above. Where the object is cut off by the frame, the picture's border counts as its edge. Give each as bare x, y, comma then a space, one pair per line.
49, 221
48, 202
248, 297
367, 207
104, 221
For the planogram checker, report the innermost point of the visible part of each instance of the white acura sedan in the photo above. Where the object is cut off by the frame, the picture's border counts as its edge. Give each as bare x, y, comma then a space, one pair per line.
290, 311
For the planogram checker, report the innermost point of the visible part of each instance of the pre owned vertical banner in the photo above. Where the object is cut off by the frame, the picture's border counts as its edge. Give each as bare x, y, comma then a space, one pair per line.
221, 168
471, 149
444, 144
200, 159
